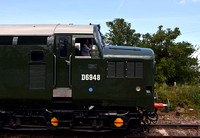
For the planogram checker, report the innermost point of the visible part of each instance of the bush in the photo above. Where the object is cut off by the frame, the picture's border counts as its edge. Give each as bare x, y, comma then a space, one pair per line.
186, 96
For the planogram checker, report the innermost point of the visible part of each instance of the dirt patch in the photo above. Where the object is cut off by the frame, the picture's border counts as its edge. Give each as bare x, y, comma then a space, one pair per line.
180, 119
173, 132
174, 119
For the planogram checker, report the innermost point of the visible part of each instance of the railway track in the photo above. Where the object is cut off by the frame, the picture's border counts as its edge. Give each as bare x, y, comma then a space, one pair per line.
163, 113
160, 113
192, 130
88, 136
184, 126
45, 134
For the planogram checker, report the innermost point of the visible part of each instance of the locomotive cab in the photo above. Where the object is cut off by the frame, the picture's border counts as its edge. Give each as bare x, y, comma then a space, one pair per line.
112, 75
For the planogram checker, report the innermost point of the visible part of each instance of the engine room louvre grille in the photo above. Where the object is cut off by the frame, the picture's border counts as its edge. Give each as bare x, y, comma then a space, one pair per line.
119, 69
139, 69
6, 40
134, 69
130, 70
32, 40
37, 76
111, 70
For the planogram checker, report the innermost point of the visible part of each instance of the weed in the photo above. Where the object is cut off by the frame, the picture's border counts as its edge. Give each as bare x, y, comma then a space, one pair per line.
186, 96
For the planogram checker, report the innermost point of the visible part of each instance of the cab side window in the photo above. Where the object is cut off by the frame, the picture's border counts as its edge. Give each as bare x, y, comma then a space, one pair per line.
86, 47
63, 43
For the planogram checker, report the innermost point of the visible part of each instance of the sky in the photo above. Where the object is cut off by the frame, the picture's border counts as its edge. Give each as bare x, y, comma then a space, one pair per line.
144, 15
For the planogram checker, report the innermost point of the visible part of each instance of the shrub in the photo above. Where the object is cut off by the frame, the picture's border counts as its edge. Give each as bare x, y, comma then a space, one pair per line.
186, 96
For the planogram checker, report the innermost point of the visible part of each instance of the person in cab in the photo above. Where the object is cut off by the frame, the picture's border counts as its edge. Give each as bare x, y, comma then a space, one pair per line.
86, 47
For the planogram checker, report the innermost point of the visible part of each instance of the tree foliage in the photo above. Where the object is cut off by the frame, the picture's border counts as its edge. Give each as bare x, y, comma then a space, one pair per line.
174, 59
120, 33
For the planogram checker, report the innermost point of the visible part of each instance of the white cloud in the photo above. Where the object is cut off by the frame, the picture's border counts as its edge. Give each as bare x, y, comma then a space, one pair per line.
185, 1
182, 2
195, 0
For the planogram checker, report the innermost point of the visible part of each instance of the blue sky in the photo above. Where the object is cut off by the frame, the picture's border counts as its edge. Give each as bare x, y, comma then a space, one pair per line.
144, 15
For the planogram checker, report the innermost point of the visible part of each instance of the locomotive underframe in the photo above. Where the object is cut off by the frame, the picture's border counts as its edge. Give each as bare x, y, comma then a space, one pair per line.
73, 118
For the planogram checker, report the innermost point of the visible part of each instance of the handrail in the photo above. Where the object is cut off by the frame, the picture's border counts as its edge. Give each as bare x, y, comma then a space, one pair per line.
54, 82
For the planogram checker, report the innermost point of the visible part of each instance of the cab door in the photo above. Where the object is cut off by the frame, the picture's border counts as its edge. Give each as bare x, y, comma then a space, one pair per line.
87, 72
62, 57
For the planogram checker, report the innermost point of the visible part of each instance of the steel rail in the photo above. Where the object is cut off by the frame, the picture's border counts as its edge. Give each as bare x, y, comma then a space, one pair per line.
47, 134
195, 126
84, 136
163, 113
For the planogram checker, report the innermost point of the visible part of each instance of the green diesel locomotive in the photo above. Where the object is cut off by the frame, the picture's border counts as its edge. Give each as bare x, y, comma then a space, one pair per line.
47, 82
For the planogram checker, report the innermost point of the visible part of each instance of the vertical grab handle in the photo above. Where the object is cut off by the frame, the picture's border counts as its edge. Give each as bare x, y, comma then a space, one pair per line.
69, 63
54, 75
70, 60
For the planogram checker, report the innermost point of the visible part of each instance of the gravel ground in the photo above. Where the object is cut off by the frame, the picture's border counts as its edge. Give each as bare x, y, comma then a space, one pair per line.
174, 119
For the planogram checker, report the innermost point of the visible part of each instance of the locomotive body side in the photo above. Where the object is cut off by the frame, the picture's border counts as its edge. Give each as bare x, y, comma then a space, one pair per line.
45, 80
26, 68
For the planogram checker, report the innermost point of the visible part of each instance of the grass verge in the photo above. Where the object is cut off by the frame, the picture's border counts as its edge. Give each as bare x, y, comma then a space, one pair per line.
186, 96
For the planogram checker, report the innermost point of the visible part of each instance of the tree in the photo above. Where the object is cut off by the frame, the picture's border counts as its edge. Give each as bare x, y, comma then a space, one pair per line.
120, 33
174, 60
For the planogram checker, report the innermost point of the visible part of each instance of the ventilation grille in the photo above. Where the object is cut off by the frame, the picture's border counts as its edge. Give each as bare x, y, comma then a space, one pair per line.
115, 70
119, 69
6, 40
138, 69
134, 70
37, 76
32, 40
128, 69
111, 69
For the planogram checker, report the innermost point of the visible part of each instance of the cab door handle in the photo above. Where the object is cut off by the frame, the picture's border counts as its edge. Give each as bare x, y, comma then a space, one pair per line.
68, 62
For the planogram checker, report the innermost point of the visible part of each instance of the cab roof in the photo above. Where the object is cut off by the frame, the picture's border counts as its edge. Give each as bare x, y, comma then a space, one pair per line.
44, 30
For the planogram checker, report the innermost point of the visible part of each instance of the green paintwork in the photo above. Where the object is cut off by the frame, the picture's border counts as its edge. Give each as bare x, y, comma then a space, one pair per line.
111, 91
62, 69
14, 72
15, 75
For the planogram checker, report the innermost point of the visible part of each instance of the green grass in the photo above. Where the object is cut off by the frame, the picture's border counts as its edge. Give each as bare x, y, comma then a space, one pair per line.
186, 96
